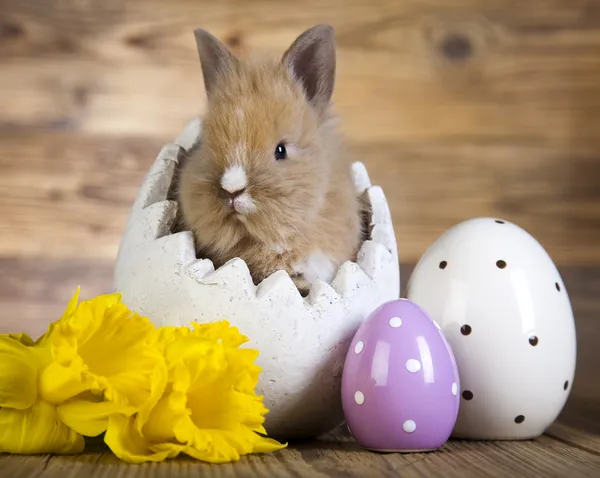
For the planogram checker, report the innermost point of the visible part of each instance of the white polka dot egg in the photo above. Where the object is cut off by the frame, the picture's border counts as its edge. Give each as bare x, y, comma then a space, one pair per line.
400, 381
506, 313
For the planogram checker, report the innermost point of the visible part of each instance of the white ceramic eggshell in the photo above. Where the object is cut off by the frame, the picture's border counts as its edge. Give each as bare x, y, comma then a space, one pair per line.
504, 307
302, 342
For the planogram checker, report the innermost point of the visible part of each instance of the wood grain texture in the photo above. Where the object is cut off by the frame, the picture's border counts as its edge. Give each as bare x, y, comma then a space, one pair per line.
458, 109
411, 69
66, 195
36, 291
337, 455
580, 437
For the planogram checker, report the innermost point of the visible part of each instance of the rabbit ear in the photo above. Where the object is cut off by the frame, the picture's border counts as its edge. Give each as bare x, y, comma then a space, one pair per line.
311, 59
215, 58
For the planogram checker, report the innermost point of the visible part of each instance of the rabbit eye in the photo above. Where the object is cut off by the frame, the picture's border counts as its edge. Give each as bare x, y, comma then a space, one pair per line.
280, 152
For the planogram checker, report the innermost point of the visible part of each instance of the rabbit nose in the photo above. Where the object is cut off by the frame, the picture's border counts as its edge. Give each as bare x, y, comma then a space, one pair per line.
234, 194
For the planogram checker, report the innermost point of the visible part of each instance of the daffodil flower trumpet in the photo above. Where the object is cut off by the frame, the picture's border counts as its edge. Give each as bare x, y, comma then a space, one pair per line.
154, 393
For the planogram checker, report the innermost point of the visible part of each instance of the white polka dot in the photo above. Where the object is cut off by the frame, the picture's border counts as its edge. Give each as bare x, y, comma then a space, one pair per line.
454, 389
358, 348
413, 365
409, 426
359, 397
395, 322
437, 326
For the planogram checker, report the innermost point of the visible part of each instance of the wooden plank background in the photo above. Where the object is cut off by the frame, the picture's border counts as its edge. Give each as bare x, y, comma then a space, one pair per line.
458, 108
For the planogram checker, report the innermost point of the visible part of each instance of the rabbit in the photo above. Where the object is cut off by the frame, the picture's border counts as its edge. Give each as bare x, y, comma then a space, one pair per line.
268, 183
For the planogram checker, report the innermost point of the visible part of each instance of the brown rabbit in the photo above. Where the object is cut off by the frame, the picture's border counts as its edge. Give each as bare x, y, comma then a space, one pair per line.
266, 183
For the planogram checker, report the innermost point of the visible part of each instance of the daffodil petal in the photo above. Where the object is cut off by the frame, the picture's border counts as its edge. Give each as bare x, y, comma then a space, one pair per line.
89, 418
221, 446
173, 449
59, 384
127, 444
159, 426
132, 387
37, 430
158, 385
18, 374
102, 346
114, 345
73, 303
229, 335
21, 337
210, 410
70, 309
217, 454
43, 339
90, 315
267, 445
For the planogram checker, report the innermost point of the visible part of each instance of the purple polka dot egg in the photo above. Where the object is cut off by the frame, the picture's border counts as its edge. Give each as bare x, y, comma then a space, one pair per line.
400, 384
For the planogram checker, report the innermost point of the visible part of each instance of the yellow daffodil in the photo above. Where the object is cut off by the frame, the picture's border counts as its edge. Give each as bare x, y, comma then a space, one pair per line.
102, 363
28, 424
21, 337
208, 410
155, 392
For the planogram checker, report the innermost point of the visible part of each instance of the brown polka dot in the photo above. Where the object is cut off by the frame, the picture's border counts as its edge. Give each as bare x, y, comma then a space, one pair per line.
566, 385
519, 419
467, 395
533, 340
501, 264
465, 329
557, 286
443, 264
499, 221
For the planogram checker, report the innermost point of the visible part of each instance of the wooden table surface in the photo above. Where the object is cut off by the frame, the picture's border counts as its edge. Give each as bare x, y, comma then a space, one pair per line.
458, 109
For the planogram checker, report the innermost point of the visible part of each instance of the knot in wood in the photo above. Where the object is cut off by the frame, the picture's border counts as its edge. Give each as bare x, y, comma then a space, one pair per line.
10, 30
457, 47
